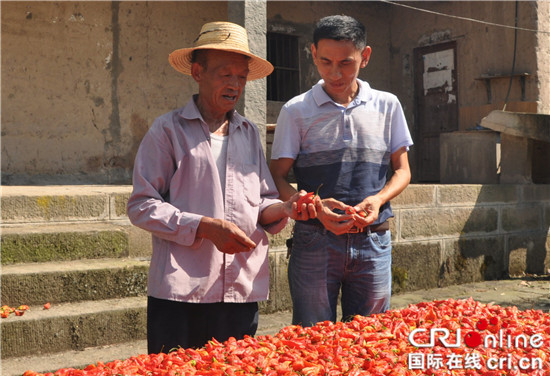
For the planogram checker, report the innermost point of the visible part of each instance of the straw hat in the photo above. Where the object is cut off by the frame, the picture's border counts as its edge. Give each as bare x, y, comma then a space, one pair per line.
225, 36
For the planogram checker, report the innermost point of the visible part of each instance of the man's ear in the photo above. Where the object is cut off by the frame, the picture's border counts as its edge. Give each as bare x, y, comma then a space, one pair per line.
365, 56
196, 71
313, 52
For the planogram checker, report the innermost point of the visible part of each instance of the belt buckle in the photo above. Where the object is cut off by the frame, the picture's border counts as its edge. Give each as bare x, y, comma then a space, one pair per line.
355, 230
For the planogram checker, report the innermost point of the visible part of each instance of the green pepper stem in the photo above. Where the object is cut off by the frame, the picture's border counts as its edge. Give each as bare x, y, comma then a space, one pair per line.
317, 191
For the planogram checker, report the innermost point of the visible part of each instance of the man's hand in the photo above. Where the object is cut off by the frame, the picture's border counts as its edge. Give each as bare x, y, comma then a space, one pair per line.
226, 236
371, 206
303, 209
336, 223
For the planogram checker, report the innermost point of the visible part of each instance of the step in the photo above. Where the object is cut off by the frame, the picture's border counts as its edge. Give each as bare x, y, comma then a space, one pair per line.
62, 203
524, 293
74, 326
65, 204
73, 281
269, 324
65, 241
72, 359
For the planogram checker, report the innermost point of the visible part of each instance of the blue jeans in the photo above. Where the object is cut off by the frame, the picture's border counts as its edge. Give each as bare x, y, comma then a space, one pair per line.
322, 263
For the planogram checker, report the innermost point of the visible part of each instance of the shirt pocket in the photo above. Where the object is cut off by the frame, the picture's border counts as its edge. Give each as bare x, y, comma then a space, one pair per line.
251, 184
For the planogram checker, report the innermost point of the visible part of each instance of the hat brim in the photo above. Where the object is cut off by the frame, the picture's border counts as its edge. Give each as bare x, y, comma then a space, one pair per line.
258, 68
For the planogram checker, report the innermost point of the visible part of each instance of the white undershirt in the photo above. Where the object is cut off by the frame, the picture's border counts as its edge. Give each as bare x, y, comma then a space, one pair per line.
219, 150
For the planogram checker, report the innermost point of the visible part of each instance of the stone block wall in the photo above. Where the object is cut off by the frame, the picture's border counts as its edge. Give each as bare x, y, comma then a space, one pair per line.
442, 234
453, 234
448, 234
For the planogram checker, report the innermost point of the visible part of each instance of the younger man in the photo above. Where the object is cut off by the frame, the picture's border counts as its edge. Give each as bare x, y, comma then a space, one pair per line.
344, 135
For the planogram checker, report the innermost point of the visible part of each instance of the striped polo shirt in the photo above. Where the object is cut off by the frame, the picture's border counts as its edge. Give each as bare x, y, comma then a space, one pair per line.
347, 149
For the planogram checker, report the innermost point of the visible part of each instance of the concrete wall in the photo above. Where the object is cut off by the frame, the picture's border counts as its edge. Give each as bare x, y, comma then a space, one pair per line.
481, 49
83, 81
543, 57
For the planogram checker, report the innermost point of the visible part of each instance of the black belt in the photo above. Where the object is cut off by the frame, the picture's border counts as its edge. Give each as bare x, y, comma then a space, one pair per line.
384, 226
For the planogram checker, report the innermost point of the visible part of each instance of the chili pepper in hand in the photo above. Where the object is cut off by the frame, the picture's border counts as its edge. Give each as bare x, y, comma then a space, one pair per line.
351, 210
307, 199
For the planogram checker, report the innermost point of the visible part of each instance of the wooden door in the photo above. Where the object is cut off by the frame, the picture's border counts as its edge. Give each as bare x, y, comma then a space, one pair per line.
436, 95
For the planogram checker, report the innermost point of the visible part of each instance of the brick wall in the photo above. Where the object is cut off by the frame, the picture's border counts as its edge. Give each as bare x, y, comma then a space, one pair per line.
451, 234
442, 234
447, 234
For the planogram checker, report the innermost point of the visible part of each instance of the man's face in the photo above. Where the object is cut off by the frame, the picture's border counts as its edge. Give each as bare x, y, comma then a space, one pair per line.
338, 63
222, 82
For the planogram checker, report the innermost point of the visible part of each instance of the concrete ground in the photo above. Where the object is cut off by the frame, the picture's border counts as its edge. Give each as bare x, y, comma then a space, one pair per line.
525, 293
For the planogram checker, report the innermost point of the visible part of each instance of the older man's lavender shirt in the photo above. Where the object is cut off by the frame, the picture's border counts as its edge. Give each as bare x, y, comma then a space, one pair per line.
176, 183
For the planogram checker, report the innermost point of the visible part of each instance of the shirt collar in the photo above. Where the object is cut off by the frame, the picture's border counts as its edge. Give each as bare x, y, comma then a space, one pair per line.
191, 112
365, 91
321, 97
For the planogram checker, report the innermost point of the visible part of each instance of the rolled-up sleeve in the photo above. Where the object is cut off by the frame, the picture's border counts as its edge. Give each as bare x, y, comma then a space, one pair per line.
148, 207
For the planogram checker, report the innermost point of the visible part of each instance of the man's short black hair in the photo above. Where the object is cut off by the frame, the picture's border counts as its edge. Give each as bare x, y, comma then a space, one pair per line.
341, 27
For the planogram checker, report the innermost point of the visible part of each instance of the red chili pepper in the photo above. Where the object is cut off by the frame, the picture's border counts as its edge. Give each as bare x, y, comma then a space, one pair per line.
5, 311
308, 198
351, 210
366, 345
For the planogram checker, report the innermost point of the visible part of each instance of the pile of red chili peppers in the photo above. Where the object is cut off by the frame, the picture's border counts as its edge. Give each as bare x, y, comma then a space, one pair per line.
447, 337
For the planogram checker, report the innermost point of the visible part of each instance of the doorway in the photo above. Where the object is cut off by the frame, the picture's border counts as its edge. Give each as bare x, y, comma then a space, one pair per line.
436, 99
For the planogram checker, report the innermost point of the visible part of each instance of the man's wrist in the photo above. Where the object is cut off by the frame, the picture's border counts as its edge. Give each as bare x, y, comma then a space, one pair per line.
204, 227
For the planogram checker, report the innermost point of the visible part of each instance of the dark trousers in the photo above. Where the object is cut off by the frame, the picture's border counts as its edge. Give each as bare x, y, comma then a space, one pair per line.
172, 324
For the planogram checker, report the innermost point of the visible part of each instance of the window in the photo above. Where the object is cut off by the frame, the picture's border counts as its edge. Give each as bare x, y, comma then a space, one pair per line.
282, 52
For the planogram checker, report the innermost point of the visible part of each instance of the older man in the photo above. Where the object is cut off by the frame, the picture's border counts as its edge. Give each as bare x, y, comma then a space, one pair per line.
202, 187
